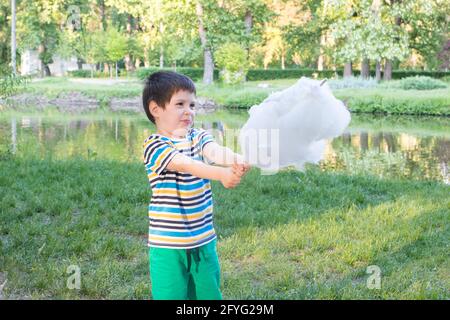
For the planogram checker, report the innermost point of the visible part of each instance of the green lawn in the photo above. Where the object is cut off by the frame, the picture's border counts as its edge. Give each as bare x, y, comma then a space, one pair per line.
289, 236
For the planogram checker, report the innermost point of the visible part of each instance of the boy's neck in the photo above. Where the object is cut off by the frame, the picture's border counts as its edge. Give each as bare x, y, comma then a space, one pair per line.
170, 134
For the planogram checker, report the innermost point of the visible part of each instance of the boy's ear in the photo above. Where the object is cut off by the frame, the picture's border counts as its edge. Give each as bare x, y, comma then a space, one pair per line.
154, 109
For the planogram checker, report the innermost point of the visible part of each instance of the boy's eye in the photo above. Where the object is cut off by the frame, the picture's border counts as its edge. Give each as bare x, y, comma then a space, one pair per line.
192, 106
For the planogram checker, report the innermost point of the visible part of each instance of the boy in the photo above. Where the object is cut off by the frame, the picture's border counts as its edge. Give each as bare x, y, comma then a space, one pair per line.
182, 240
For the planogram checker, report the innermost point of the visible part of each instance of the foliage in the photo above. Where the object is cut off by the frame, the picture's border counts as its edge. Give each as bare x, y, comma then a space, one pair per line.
310, 34
291, 73
368, 32
11, 84
232, 60
352, 82
418, 83
193, 73
115, 46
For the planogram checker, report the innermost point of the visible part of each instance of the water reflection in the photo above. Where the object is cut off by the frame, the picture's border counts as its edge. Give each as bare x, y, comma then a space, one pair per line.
401, 147
390, 155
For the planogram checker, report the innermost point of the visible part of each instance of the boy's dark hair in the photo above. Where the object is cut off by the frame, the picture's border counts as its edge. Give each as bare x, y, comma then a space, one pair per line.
161, 86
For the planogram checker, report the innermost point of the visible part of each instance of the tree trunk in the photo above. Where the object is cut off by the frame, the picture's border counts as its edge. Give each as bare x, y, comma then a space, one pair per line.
161, 57
116, 71
102, 14
208, 67
387, 74
41, 50
13, 36
146, 57
348, 70
161, 49
79, 63
248, 22
47, 70
137, 63
365, 68
320, 61
378, 71
128, 60
388, 63
106, 68
208, 72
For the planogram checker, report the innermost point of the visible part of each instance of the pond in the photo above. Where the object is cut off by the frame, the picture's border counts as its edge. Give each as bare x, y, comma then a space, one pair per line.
386, 146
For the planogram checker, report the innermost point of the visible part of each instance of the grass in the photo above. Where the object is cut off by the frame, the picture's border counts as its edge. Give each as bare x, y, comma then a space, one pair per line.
372, 100
293, 235
396, 101
52, 87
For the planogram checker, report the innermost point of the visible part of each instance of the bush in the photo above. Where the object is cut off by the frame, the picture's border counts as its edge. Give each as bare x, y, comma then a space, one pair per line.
274, 74
445, 79
195, 74
352, 82
233, 62
96, 74
417, 83
396, 101
80, 73
243, 100
400, 74
11, 84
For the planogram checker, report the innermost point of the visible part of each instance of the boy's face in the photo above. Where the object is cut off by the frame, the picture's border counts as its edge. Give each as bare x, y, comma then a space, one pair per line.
177, 116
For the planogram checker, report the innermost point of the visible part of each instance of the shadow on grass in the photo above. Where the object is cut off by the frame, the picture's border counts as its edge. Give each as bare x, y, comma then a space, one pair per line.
411, 254
290, 196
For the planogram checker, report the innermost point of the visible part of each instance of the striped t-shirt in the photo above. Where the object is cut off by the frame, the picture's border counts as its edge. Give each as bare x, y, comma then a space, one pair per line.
181, 206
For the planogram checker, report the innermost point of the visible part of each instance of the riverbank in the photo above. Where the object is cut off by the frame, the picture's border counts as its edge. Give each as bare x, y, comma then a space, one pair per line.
84, 95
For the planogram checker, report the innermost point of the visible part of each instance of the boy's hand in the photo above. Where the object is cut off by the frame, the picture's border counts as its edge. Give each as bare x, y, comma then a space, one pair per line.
240, 169
229, 178
240, 166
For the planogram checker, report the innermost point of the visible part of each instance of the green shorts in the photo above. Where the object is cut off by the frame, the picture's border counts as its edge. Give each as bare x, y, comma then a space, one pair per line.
185, 274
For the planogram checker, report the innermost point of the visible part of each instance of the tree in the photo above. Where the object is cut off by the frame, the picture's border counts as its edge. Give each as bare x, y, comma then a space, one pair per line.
232, 59
38, 26
220, 22
115, 47
208, 66
284, 26
427, 22
13, 36
370, 35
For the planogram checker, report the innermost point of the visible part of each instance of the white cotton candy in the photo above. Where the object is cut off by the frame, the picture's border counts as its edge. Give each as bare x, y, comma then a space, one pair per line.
290, 127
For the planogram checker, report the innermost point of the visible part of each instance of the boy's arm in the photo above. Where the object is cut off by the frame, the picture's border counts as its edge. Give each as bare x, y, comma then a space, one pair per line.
182, 163
221, 155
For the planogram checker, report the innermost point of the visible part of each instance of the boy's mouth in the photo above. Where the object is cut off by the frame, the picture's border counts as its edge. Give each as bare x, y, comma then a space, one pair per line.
186, 122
